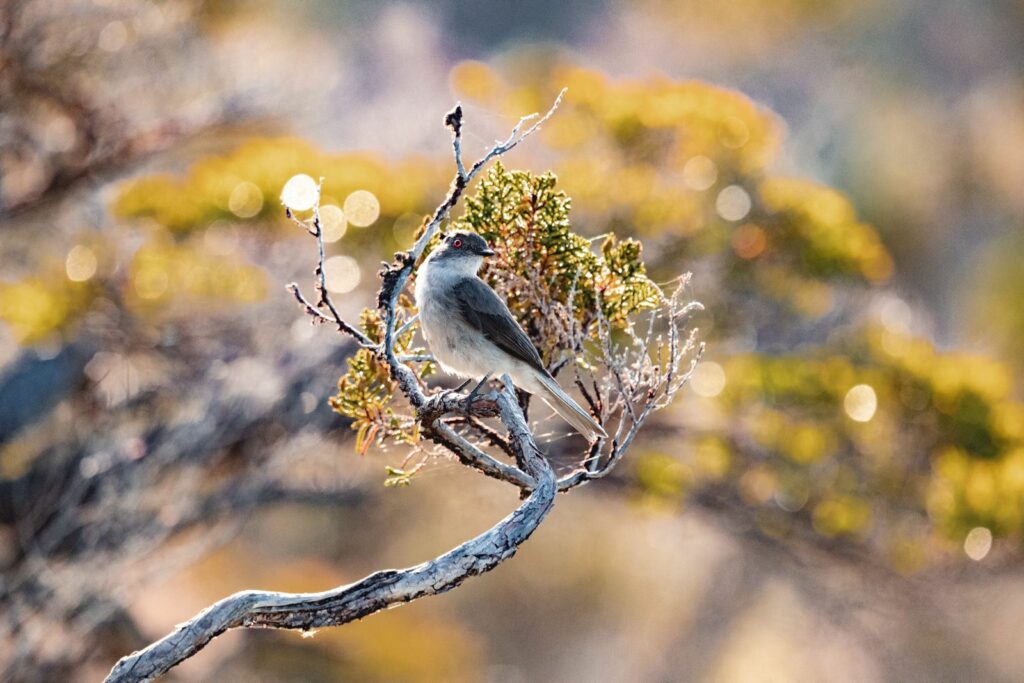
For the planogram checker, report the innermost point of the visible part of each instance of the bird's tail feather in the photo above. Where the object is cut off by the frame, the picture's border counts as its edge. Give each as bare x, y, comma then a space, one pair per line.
568, 409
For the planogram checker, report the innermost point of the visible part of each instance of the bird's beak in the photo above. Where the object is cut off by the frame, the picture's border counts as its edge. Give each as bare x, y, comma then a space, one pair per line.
487, 252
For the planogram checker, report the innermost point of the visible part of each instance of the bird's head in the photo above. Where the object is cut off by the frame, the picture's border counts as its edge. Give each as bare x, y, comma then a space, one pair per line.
461, 250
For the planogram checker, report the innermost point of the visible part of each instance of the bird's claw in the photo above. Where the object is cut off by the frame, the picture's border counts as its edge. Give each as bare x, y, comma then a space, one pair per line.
475, 393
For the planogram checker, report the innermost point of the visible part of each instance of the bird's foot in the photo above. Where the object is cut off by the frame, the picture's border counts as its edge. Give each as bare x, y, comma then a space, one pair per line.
475, 393
452, 393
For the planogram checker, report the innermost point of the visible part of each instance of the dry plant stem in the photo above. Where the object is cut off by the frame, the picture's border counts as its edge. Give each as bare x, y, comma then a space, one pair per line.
323, 296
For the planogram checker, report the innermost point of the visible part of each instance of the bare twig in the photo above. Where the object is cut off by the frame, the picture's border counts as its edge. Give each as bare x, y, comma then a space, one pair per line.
323, 296
490, 435
407, 325
471, 456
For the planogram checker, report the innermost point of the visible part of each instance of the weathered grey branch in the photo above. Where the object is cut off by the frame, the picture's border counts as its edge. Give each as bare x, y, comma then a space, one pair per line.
375, 592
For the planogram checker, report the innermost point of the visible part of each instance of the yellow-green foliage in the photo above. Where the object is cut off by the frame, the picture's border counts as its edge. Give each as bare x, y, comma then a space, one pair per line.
647, 157
651, 157
164, 271
816, 228
161, 272
946, 439
256, 171
541, 261
992, 302
366, 392
623, 146
38, 307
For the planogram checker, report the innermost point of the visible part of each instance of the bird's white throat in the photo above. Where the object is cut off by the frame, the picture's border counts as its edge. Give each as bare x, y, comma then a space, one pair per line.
461, 266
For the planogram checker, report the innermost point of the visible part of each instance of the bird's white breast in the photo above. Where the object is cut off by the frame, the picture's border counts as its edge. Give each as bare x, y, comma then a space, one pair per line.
460, 349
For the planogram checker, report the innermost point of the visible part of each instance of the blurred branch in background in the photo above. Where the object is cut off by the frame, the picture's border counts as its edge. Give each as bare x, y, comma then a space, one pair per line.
118, 504
59, 126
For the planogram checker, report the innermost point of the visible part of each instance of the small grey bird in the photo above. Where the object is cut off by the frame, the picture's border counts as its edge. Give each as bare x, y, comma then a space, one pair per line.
472, 333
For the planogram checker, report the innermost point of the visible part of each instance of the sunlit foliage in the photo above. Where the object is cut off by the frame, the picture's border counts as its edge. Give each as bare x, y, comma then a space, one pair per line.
244, 185
366, 391
160, 273
688, 167
993, 303
541, 262
878, 438
163, 271
39, 306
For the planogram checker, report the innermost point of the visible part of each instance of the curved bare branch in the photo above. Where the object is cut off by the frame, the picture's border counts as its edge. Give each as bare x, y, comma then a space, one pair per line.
375, 592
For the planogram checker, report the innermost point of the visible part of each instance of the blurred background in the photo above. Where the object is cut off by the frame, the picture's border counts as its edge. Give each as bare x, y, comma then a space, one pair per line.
838, 495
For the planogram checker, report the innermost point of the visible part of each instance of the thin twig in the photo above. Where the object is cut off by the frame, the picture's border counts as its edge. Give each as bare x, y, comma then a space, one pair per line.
406, 325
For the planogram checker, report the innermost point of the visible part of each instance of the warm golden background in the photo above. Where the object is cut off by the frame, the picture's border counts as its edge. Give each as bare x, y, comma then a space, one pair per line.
839, 495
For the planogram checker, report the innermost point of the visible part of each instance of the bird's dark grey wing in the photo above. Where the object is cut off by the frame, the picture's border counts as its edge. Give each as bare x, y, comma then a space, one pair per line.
482, 309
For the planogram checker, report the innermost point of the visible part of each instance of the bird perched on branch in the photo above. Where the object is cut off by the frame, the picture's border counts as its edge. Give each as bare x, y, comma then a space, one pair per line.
472, 333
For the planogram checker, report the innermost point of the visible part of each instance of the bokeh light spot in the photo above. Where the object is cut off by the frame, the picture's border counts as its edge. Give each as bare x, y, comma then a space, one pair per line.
80, 263
301, 330
221, 238
113, 37
362, 208
861, 403
700, 173
708, 379
60, 134
405, 227
246, 200
733, 203
896, 315
309, 402
978, 543
749, 241
735, 132
151, 283
333, 223
342, 274
300, 193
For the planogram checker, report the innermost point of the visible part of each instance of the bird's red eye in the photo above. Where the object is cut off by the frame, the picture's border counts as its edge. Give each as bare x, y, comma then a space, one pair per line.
457, 244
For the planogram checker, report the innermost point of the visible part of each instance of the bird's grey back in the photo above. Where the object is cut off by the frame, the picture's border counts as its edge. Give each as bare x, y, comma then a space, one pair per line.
483, 310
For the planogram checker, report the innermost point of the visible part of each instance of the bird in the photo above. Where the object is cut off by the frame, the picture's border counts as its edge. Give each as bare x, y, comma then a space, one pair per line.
472, 333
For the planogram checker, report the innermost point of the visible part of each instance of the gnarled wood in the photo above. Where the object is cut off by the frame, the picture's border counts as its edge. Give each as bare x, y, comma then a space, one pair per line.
375, 592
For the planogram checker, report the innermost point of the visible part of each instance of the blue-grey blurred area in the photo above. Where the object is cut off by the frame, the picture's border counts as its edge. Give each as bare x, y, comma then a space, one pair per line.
165, 433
